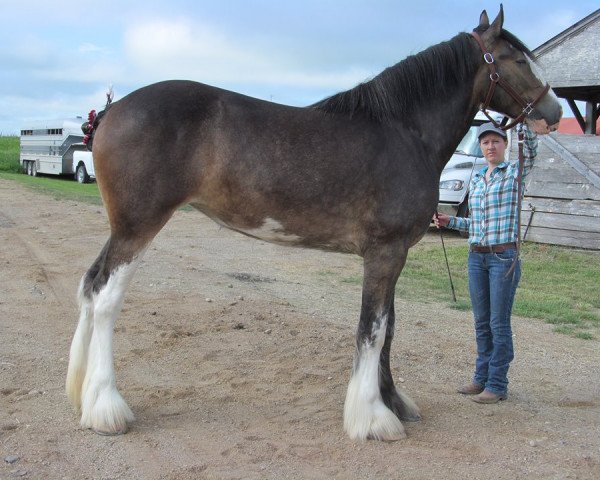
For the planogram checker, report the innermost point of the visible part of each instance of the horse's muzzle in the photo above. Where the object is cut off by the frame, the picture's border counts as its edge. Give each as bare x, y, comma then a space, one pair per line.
541, 127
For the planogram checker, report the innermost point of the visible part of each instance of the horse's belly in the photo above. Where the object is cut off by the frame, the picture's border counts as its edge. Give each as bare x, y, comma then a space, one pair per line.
270, 231
267, 229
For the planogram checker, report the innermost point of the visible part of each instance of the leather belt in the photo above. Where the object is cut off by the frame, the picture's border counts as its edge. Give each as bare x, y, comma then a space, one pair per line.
499, 248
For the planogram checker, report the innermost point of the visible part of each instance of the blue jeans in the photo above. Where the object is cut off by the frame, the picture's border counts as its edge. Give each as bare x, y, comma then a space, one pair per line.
492, 291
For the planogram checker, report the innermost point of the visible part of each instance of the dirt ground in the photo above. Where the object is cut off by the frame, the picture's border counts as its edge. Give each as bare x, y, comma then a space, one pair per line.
235, 354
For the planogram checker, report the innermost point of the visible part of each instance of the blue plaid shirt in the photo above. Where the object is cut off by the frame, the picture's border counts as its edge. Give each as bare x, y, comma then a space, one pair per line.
493, 204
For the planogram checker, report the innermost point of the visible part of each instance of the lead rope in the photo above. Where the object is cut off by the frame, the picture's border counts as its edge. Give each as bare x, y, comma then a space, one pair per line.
521, 139
447, 264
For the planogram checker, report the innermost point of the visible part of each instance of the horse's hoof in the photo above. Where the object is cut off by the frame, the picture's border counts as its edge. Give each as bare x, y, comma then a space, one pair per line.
411, 418
110, 434
387, 435
406, 408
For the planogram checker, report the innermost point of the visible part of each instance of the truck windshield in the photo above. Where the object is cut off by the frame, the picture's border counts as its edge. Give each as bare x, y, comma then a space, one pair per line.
469, 144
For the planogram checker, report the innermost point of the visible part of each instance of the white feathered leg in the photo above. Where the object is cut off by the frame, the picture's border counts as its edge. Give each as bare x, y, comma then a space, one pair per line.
78, 356
365, 414
102, 407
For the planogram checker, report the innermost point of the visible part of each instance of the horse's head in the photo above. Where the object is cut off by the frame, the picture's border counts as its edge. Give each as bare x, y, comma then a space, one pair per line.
511, 80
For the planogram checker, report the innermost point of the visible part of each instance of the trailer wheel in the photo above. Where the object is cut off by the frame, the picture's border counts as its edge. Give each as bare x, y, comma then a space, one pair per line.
34, 172
28, 168
81, 175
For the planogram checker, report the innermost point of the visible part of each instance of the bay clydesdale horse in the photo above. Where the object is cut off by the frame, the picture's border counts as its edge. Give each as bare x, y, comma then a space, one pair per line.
357, 172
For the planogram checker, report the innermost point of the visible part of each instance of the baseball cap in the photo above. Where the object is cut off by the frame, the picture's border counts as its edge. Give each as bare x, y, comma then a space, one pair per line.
490, 128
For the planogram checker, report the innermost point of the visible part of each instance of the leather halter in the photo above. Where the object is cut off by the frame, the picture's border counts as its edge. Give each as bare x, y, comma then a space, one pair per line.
496, 79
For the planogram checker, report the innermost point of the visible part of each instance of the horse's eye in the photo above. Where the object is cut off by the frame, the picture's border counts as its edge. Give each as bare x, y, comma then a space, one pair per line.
522, 61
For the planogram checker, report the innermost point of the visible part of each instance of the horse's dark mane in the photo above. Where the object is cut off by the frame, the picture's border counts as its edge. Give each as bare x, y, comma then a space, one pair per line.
409, 84
515, 42
397, 90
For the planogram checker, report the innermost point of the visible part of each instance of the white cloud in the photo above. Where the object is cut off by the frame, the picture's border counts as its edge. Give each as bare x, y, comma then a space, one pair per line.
103, 72
182, 49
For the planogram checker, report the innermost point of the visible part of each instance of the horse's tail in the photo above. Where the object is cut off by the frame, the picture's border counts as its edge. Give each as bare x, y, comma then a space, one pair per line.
89, 127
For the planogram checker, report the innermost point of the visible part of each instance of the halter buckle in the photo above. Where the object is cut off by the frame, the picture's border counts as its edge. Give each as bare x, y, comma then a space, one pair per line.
488, 57
495, 77
528, 109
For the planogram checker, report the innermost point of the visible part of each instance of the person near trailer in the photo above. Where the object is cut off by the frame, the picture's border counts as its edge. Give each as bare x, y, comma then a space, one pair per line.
494, 271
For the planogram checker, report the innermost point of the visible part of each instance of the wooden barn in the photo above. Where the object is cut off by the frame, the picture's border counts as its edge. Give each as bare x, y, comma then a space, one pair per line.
562, 197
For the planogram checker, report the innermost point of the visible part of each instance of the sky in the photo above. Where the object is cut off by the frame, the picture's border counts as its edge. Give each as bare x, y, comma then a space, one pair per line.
59, 57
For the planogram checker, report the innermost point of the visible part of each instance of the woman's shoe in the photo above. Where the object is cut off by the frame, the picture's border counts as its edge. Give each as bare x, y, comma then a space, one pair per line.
488, 397
471, 389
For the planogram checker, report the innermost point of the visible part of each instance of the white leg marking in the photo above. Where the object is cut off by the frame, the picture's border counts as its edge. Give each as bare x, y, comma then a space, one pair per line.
365, 414
78, 356
102, 407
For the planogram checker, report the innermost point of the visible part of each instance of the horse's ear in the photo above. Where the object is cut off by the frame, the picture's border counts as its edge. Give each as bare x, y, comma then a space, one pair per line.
484, 21
496, 26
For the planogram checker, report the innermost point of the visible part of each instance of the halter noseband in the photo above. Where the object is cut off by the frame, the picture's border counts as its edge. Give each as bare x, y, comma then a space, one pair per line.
496, 79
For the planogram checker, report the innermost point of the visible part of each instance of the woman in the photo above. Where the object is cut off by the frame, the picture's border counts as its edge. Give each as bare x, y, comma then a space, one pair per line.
492, 229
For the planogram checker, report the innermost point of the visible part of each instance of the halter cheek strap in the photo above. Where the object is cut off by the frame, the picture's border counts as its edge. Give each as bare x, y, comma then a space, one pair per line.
496, 79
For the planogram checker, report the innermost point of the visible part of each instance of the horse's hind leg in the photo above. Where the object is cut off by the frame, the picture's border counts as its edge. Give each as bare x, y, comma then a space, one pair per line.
91, 383
78, 354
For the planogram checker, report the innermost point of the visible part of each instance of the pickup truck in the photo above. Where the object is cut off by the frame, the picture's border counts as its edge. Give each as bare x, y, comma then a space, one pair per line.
83, 166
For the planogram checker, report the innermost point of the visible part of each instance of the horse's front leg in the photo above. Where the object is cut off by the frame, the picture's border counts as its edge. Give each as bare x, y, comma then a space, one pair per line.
373, 405
394, 398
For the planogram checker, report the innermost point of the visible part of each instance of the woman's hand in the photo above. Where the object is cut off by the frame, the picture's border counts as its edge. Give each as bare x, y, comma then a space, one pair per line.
441, 220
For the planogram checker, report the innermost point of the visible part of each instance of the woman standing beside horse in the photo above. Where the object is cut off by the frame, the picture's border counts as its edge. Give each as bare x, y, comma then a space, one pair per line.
494, 266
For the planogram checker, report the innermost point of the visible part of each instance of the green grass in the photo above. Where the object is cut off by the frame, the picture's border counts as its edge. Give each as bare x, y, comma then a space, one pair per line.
9, 154
558, 285
59, 188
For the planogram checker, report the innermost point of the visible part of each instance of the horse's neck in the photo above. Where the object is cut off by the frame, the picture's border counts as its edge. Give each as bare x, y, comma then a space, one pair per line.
443, 129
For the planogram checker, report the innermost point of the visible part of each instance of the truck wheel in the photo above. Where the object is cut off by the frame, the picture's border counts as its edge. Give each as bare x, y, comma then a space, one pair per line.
81, 175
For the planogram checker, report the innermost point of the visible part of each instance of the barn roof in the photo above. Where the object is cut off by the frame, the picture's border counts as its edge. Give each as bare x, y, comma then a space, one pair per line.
571, 59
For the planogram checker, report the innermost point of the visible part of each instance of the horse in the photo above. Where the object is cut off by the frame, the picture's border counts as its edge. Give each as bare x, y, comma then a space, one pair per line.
357, 172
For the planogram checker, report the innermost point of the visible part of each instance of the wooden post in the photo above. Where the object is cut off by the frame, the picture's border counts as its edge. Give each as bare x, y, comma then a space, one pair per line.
577, 113
591, 115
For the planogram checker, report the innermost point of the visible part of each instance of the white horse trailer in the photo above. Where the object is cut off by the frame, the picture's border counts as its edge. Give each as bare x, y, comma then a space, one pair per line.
48, 146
